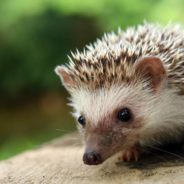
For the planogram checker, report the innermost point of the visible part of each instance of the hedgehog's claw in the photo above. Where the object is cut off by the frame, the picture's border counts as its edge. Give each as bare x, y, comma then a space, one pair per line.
131, 154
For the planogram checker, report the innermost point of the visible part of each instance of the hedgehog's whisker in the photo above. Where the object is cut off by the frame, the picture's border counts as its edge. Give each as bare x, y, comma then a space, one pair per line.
62, 130
76, 144
127, 130
165, 151
159, 156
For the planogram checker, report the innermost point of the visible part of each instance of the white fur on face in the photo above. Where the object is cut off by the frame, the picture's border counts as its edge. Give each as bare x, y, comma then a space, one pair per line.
166, 119
100, 103
163, 113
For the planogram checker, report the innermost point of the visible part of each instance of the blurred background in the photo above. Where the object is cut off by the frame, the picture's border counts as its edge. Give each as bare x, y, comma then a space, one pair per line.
37, 35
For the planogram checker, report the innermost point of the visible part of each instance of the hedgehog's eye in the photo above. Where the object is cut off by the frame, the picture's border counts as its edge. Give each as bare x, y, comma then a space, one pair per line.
124, 115
81, 120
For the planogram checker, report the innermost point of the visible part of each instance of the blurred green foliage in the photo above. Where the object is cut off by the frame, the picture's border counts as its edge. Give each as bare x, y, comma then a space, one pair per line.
33, 46
36, 35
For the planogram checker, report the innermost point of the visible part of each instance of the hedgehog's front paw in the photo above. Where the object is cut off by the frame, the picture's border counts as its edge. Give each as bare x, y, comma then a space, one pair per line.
131, 154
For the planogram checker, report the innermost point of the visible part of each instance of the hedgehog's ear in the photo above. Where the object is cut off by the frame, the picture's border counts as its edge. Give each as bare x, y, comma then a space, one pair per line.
151, 68
65, 77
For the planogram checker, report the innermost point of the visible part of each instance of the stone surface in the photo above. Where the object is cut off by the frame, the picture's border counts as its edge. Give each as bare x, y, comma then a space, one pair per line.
60, 162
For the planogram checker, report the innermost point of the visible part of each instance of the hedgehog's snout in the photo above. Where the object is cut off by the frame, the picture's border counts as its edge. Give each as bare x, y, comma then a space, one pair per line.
92, 158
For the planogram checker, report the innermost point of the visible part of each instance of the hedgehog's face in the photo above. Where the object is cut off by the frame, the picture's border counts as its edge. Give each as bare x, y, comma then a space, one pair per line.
111, 119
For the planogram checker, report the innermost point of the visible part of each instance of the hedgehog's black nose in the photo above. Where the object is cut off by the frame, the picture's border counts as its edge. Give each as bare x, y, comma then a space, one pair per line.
92, 158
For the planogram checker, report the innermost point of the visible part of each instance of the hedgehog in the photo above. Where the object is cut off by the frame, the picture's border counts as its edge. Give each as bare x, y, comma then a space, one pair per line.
126, 90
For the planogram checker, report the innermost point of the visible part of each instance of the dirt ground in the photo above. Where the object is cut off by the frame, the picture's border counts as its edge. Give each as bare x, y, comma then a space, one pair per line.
59, 162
